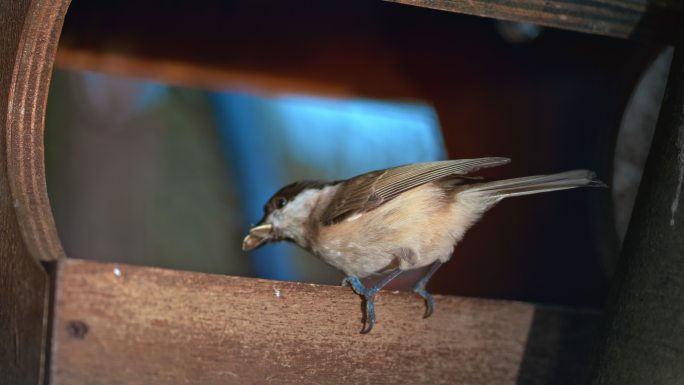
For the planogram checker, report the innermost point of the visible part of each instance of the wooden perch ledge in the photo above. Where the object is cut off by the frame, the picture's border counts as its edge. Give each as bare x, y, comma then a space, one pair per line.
137, 325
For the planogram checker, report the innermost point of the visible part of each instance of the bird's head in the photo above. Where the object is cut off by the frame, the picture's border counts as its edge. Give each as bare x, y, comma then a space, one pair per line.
287, 216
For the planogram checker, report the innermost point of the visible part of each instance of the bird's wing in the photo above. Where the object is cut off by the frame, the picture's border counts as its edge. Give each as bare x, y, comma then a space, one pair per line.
368, 191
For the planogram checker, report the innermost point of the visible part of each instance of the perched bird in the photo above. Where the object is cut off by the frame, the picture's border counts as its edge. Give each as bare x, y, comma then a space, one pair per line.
394, 220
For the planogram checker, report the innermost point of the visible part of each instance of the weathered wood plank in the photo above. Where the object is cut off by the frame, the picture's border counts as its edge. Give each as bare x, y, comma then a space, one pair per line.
636, 19
28, 37
644, 331
117, 324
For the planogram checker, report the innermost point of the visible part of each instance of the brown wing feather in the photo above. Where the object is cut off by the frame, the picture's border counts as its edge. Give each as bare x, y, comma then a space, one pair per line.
368, 191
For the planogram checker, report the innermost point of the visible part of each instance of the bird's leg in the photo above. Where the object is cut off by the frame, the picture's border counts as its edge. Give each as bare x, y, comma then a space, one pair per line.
368, 295
420, 289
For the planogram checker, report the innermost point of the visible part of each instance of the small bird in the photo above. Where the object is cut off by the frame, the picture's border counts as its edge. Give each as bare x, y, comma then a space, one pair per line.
394, 220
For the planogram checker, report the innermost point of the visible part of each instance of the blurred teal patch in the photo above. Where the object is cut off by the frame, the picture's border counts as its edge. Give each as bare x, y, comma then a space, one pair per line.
351, 136
272, 141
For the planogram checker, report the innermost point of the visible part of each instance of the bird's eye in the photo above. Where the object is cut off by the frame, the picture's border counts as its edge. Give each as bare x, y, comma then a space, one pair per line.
280, 202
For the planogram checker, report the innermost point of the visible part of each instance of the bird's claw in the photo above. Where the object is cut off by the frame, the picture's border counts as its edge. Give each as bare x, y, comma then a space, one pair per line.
419, 288
429, 301
370, 315
368, 295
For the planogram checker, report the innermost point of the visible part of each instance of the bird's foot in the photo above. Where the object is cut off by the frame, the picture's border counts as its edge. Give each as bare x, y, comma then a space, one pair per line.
420, 289
429, 301
368, 295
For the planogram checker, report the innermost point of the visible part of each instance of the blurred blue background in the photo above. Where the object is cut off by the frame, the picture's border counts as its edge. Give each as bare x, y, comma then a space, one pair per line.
172, 177
273, 141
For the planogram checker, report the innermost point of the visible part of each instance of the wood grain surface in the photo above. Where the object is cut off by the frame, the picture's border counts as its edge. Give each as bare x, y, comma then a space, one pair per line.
639, 19
28, 35
120, 324
644, 333
25, 125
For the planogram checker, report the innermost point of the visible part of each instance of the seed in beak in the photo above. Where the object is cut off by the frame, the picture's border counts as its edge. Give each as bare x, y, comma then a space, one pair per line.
262, 231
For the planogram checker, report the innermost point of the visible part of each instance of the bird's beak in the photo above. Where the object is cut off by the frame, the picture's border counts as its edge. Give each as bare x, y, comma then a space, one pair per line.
258, 235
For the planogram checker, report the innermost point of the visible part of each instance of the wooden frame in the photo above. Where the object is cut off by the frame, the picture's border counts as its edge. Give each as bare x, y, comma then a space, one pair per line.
29, 31
638, 19
76, 322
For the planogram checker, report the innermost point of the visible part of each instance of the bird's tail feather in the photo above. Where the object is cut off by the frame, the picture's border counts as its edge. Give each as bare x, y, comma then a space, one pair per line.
536, 184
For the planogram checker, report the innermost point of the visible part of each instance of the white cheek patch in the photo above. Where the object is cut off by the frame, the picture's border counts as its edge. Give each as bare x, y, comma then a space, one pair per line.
302, 204
290, 219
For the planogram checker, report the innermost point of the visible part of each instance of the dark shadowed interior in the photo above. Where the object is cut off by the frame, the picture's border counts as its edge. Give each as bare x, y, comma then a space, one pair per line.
199, 111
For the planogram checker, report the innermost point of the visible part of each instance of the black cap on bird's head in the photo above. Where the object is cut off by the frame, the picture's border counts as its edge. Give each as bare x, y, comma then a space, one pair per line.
268, 229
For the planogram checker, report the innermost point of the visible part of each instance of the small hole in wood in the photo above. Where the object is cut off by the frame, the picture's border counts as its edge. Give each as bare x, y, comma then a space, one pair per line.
77, 329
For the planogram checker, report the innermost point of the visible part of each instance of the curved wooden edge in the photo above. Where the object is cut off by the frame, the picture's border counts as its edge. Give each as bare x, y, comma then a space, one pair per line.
25, 127
29, 30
